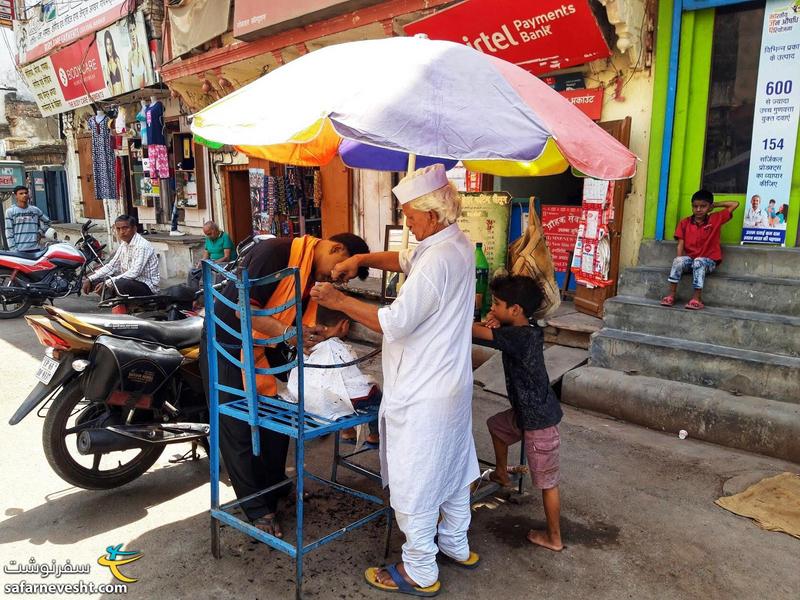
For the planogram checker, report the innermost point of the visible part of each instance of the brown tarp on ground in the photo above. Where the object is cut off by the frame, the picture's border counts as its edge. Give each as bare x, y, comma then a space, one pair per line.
773, 503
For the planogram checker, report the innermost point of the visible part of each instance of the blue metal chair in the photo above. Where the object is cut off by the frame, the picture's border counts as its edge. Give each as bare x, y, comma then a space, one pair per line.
271, 413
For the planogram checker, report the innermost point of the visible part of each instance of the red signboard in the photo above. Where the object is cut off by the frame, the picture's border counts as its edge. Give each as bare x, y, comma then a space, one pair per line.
560, 226
256, 18
79, 71
589, 101
474, 181
539, 36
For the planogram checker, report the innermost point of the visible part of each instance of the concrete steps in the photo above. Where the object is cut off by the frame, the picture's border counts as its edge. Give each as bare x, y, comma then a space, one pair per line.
776, 295
734, 370
754, 330
728, 374
748, 423
758, 261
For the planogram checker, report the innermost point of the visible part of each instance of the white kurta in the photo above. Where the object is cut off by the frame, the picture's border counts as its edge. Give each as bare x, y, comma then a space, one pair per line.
427, 449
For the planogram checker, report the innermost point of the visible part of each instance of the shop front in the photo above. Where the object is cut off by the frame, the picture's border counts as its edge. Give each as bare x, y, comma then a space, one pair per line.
592, 228
728, 86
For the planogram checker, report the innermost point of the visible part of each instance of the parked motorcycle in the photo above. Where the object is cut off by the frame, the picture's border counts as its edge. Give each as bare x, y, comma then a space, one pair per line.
115, 390
32, 278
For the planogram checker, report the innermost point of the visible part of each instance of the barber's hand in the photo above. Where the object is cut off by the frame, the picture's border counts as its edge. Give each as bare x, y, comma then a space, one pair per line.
311, 337
326, 295
98, 289
491, 321
87, 286
346, 270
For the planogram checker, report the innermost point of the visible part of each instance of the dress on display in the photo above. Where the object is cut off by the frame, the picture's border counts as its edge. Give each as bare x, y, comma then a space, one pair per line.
105, 181
157, 143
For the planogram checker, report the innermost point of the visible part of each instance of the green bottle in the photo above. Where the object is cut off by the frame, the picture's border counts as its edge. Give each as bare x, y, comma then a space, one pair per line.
481, 281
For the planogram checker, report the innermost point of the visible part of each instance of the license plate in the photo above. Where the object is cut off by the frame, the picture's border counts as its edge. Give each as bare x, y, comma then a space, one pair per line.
46, 370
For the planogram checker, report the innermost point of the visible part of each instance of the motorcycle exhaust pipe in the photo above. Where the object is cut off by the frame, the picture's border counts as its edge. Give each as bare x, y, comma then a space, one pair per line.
92, 441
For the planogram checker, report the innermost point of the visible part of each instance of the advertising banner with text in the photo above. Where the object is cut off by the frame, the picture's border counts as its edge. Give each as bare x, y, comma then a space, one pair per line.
53, 24
777, 112
114, 61
539, 36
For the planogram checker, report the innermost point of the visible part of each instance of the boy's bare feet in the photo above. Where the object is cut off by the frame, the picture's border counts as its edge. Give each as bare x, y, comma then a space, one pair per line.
500, 477
541, 538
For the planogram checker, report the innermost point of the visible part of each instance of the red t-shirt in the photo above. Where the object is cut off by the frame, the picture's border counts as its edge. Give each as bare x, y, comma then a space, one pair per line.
702, 241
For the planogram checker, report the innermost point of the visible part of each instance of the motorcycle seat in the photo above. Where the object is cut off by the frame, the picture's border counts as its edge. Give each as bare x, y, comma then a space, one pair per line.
27, 254
178, 334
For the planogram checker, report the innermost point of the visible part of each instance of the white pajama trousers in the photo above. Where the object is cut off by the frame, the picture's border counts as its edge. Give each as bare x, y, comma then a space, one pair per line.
419, 551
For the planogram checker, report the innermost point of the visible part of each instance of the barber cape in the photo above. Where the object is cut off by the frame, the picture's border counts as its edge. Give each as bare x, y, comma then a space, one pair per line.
427, 449
328, 393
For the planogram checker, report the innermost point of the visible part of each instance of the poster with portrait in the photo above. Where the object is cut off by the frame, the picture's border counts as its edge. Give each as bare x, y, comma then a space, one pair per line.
125, 55
775, 124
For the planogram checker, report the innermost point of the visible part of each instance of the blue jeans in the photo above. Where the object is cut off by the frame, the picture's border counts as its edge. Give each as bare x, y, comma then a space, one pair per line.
699, 267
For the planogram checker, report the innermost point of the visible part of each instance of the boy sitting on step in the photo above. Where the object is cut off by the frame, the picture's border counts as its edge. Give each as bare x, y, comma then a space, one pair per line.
335, 393
699, 251
535, 412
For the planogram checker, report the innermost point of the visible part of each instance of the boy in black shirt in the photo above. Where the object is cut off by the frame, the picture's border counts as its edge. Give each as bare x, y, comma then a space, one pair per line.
535, 412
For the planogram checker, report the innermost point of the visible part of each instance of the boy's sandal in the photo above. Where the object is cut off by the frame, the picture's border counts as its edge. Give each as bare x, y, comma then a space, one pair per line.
401, 586
668, 300
472, 561
695, 305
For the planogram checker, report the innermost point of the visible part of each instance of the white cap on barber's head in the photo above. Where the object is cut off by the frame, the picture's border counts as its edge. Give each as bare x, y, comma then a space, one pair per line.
420, 183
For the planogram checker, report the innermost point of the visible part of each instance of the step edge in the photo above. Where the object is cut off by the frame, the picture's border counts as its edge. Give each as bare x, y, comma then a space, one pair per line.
717, 311
754, 356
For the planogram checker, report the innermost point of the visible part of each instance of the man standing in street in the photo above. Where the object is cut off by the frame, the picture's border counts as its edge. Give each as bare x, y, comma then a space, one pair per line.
134, 267
24, 223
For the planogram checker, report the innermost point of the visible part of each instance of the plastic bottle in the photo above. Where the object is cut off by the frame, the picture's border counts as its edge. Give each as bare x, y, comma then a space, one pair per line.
481, 280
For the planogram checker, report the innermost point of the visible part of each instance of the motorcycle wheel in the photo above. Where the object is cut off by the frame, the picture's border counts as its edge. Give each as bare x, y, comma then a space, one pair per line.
12, 305
69, 414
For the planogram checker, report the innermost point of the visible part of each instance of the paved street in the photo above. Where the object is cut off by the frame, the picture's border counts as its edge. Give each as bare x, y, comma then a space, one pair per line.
638, 520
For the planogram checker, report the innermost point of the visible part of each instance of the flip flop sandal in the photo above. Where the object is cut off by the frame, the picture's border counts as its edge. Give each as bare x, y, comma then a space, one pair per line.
401, 585
270, 522
668, 301
695, 305
472, 561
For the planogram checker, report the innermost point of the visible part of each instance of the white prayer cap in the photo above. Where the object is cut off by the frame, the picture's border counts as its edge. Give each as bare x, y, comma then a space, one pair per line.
420, 182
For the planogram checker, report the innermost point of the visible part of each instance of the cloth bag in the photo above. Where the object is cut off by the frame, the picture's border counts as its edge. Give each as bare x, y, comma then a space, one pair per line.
530, 256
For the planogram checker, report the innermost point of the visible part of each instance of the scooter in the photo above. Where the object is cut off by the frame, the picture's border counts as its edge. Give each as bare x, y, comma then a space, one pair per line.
34, 277
114, 391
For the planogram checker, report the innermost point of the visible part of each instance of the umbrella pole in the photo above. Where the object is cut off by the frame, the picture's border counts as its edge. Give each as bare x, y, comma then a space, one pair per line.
412, 165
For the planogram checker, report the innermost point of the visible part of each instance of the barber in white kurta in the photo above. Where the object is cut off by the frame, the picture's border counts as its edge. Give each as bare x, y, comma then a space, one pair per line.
428, 457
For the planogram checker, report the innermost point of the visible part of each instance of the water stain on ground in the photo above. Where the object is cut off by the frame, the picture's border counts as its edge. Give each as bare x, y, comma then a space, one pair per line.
512, 531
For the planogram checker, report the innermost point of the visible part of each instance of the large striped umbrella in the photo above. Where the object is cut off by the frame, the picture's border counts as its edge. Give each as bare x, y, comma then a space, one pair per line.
378, 103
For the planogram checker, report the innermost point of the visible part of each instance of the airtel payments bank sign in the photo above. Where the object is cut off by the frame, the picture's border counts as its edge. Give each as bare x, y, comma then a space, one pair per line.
538, 36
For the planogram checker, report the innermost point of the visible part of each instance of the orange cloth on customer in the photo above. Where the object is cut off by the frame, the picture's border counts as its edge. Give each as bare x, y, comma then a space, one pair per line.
302, 257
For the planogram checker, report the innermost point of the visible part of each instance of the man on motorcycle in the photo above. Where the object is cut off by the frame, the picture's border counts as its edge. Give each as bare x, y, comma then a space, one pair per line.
315, 258
133, 270
24, 223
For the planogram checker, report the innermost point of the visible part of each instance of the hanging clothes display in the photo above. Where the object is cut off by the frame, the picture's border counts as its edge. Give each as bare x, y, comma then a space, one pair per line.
105, 180
156, 141
286, 205
159, 164
141, 117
